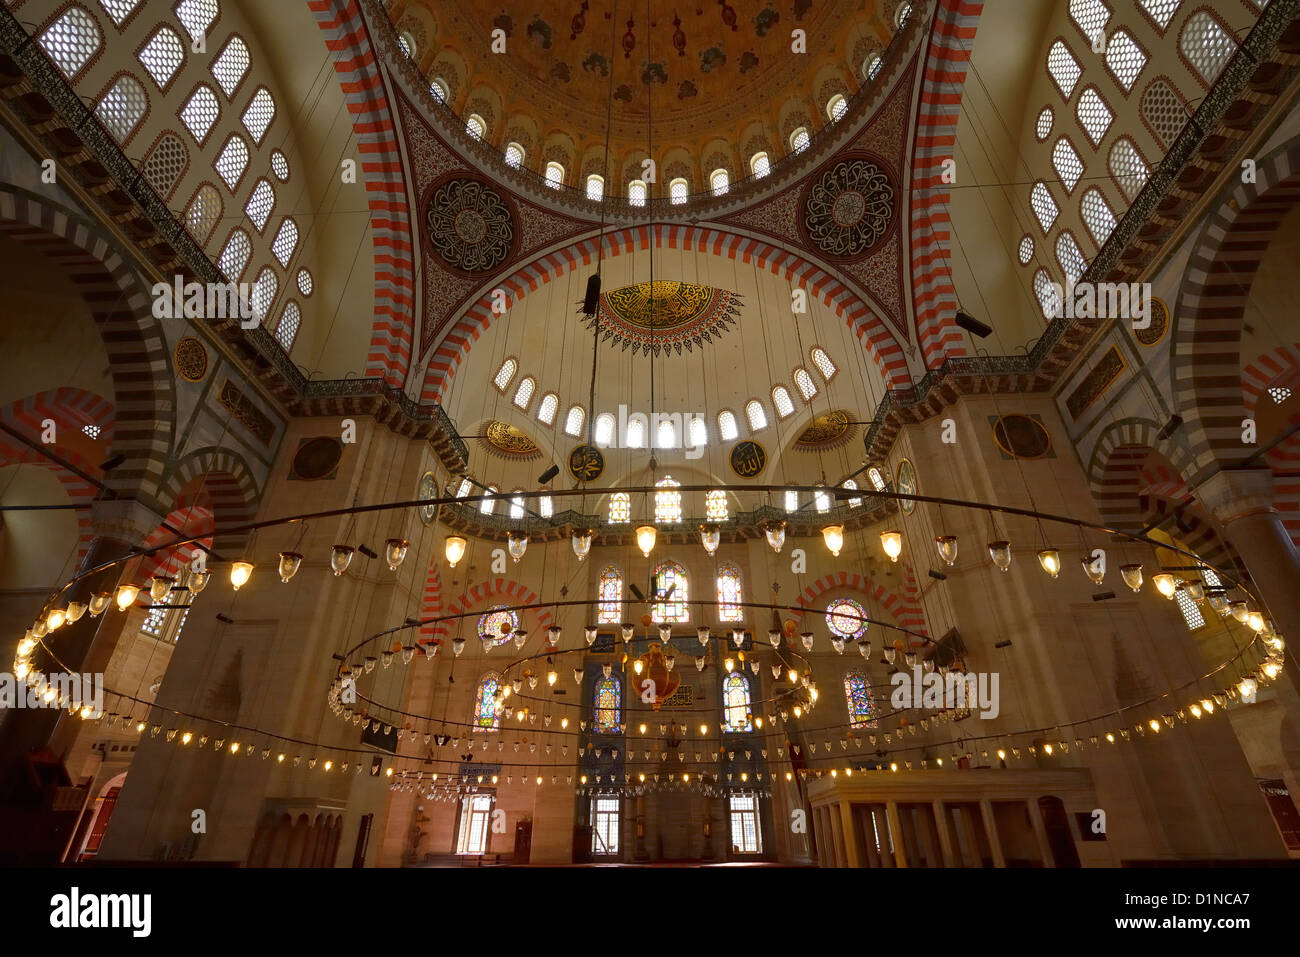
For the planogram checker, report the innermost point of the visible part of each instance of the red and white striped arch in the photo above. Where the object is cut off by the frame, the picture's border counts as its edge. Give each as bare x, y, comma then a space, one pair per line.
512, 592
906, 608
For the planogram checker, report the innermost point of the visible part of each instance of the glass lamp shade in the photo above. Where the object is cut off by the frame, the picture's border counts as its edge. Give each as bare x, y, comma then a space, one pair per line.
1000, 552
1195, 591
1218, 601
1094, 569
628, 630
947, 545
521, 637
833, 535
98, 602
55, 618
670, 661
553, 634
290, 562
517, 543
395, 552
1247, 687
891, 654
807, 638
665, 633
341, 558
738, 637
40, 629
838, 644
26, 647
774, 532
552, 676
710, 537
774, 638
1050, 560
638, 666
458, 645
577, 676
126, 595
1132, 575
589, 633
1239, 611
1165, 583
892, 543
454, 549
160, 586
198, 581
699, 663
645, 539
730, 665
864, 649
1255, 621
582, 543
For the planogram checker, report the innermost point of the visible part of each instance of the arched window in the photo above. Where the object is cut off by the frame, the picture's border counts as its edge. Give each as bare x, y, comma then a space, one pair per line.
264, 291
260, 203
71, 40
464, 488
260, 113
514, 155
406, 43
1207, 45
620, 508
488, 505
635, 437
1070, 258
735, 699
305, 282
1091, 16
286, 330
671, 576
196, 16
286, 241
1067, 164
727, 429
836, 107
1094, 114
1161, 11
165, 164
853, 502
498, 624
1127, 167
554, 175
609, 609
608, 703
118, 10
699, 432
678, 190
1043, 128
595, 187
505, 374
475, 126
799, 140
1063, 67
1163, 110
1124, 58
438, 88
877, 481
823, 363
871, 66
200, 112
517, 504
1045, 208
715, 505
202, 213
162, 56
1048, 298
756, 415
730, 593
232, 161
804, 383
549, 406
604, 429
636, 193
846, 618
719, 181
279, 166
667, 437
1026, 250
782, 402
573, 422
524, 393
122, 107
231, 66
668, 500
857, 695
822, 500
1097, 215
485, 703
234, 258
759, 164
901, 13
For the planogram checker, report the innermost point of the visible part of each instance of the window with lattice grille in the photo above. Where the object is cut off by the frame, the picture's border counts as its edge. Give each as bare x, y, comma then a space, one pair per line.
871, 66
782, 402
475, 126
234, 258
837, 107
804, 383
678, 191
1090, 15
505, 374
1045, 208
1063, 68
1206, 44
200, 112
196, 16
720, 182
203, 212
546, 411
230, 66
1049, 300
1279, 394
122, 107
232, 161
286, 241
759, 165
305, 282
1097, 215
595, 188
260, 204
1043, 128
756, 415
823, 363
71, 40
118, 10
574, 421
439, 90
636, 193
727, 427
1128, 167
524, 393
1094, 114
799, 140
1070, 258
1163, 110
279, 166
1026, 251
286, 330
163, 55
1067, 164
514, 155
259, 114
554, 175
164, 165
1161, 11
264, 291
1124, 59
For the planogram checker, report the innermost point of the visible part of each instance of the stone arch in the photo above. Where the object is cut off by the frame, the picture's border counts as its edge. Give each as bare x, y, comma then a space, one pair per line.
906, 609
1114, 469
1215, 286
191, 518
226, 481
820, 283
1280, 366
512, 591
144, 393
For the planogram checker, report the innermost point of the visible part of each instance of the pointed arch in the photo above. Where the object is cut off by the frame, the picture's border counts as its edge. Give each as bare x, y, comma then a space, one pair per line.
905, 608
512, 591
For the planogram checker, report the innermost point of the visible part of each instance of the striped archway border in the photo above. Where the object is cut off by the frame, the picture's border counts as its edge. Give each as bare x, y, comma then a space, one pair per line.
1115, 465
884, 349
516, 594
67, 406
906, 610
1280, 363
226, 481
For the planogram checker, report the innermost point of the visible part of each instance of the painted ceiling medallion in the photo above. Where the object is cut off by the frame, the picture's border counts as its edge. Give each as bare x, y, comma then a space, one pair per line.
653, 318
830, 430
470, 226
849, 208
505, 439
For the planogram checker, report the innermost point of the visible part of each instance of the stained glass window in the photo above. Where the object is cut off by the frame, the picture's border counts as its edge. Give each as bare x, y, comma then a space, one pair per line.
842, 618
735, 697
490, 623
730, 594
715, 505
620, 508
668, 501
607, 698
857, 693
609, 611
485, 703
670, 575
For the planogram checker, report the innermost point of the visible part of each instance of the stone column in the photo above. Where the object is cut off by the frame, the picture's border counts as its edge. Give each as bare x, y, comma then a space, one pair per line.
945, 836
896, 828
991, 828
837, 834
852, 841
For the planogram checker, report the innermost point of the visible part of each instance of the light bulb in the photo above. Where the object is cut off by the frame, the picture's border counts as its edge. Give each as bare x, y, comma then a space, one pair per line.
730, 665
517, 543
892, 543
1255, 621
710, 537
1000, 552
453, 547
833, 535
240, 573
126, 596
947, 545
26, 647
793, 676
341, 558
57, 616
1050, 559
160, 586
1246, 688
1240, 611
395, 552
1165, 583
775, 534
582, 542
637, 666
290, 562
645, 539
